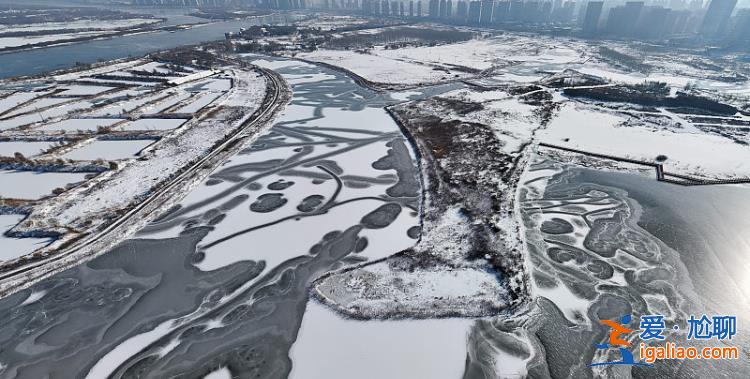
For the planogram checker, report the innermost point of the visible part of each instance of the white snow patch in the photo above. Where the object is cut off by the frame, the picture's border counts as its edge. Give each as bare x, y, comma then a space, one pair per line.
378, 349
82, 124
108, 149
33, 185
11, 248
688, 153
27, 148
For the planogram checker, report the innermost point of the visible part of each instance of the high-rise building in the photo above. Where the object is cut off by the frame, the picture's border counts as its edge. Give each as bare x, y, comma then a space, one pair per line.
461, 10
653, 24
677, 4
501, 12
545, 12
695, 5
485, 12
676, 22
516, 10
741, 29
530, 11
563, 11
622, 20
592, 16
434, 8
473, 13
716, 22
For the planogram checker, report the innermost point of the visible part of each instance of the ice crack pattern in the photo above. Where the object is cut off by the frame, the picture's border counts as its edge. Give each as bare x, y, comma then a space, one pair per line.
221, 280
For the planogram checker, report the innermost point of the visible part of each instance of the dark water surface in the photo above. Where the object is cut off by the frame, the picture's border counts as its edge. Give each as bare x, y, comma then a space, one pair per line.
622, 243
708, 225
221, 281
31, 62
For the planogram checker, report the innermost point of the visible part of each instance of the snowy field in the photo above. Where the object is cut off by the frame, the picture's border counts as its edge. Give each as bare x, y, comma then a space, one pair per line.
320, 203
16, 247
43, 116
155, 124
81, 124
78, 28
32, 185
483, 54
77, 24
27, 148
108, 150
513, 121
440, 63
82, 90
517, 58
333, 347
688, 151
136, 111
13, 99
8, 42
165, 158
379, 69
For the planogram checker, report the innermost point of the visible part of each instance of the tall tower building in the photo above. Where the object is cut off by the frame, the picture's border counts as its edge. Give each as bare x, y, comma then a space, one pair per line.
716, 22
592, 16
485, 12
434, 8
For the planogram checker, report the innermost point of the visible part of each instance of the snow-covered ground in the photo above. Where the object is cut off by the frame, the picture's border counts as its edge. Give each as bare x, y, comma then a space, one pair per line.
196, 104
8, 42
432, 64
82, 124
45, 115
37, 104
330, 22
108, 150
82, 90
78, 24
32, 185
165, 104
86, 29
513, 121
128, 106
155, 124
27, 148
483, 54
379, 69
119, 189
596, 130
329, 346
15, 99
517, 58
16, 247
35, 114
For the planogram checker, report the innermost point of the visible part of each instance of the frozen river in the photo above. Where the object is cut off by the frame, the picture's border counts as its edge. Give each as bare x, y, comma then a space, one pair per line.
605, 244
31, 62
220, 282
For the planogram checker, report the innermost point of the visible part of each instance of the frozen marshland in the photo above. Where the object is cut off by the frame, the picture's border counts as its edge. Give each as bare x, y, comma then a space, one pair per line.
227, 283
303, 199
